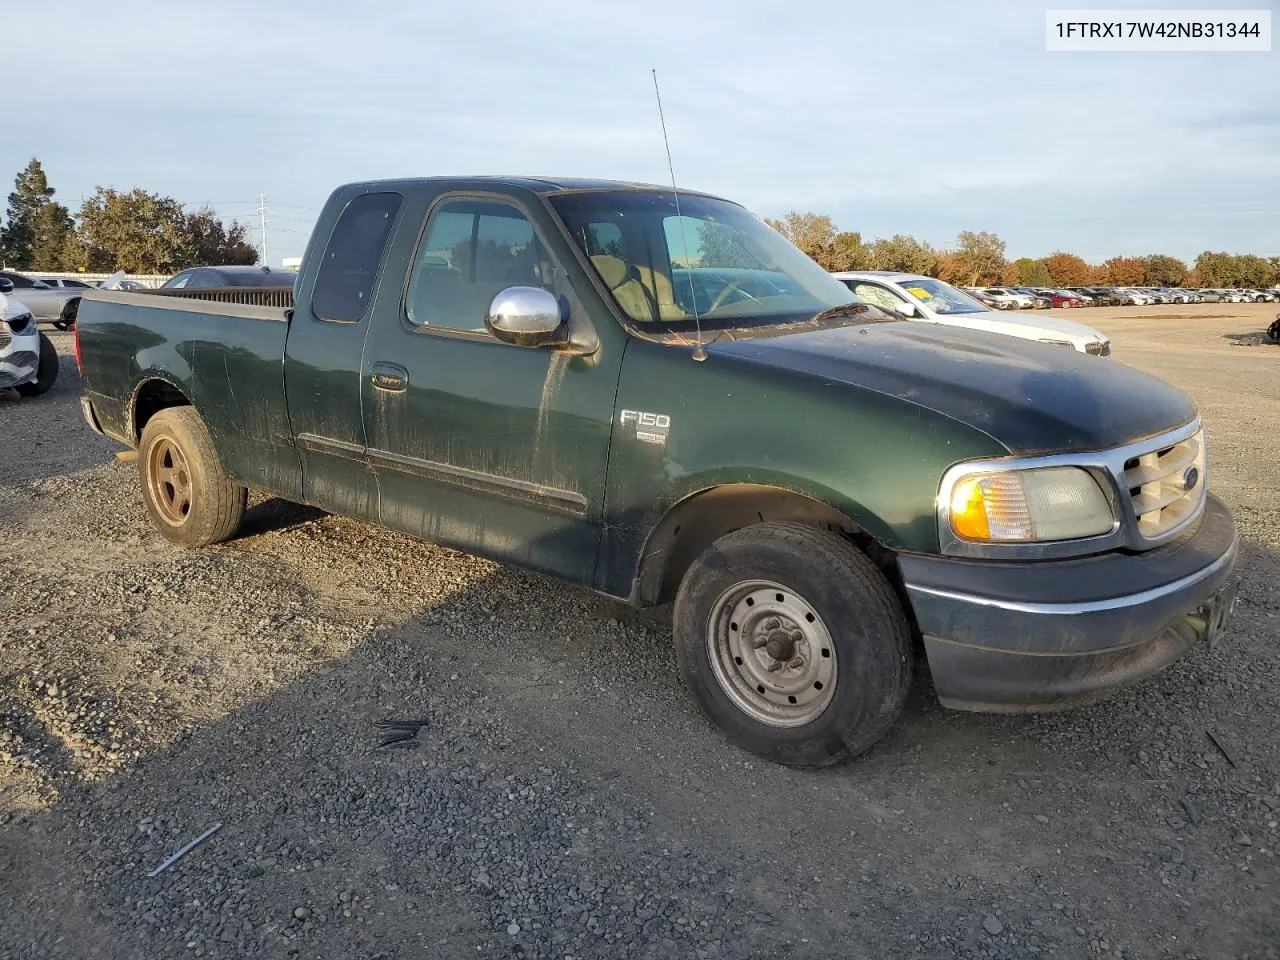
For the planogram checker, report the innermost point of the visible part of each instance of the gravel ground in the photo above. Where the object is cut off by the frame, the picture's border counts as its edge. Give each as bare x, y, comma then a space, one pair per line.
563, 797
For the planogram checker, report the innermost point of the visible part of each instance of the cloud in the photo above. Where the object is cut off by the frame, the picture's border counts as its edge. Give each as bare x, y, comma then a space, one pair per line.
925, 116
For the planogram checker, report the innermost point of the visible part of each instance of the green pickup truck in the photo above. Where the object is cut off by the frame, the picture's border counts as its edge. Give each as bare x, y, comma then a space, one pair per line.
655, 396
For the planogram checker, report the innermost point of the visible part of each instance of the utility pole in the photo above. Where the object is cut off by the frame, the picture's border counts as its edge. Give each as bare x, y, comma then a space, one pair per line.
262, 215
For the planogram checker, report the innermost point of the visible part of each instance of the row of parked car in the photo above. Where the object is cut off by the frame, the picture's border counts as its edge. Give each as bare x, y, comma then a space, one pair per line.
1027, 298
29, 361
56, 300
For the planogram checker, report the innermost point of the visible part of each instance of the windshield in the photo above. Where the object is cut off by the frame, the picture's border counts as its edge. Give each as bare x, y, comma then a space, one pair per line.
715, 259
941, 297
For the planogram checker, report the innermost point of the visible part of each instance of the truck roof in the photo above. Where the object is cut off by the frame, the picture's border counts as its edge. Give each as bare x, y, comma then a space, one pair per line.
540, 184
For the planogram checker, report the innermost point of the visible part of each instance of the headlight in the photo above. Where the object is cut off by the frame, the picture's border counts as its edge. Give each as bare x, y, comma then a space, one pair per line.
1028, 506
1060, 343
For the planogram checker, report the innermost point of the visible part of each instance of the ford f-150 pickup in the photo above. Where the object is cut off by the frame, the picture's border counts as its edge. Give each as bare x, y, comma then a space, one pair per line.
655, 396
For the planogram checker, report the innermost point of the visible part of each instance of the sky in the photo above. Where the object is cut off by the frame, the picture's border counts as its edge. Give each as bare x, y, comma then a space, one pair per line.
915, 117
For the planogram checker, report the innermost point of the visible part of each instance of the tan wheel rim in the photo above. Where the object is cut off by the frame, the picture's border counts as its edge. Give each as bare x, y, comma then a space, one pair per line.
169, 481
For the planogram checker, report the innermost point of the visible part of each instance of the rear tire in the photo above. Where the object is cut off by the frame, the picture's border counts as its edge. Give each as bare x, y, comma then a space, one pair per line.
793, 643
188, 494
46, 372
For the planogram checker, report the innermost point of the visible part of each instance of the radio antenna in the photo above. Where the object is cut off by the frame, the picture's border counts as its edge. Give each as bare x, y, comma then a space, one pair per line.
699, 351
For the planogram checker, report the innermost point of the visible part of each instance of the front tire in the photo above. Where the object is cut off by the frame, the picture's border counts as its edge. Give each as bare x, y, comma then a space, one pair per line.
46, 371
793, 643
191, 500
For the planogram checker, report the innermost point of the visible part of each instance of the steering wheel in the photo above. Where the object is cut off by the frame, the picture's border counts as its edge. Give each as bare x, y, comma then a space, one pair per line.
729, 288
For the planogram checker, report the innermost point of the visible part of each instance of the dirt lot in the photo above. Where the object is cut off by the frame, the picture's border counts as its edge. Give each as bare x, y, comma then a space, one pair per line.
565, 798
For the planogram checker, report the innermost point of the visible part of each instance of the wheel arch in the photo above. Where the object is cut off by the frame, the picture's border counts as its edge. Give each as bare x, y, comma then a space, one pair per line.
697, 520
152, 394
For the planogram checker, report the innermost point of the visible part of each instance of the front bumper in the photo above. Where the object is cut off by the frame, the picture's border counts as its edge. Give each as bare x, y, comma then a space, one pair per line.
20, 358
1008, 637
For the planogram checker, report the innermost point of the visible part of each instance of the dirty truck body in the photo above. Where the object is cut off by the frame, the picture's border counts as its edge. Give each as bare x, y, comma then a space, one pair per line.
509, 366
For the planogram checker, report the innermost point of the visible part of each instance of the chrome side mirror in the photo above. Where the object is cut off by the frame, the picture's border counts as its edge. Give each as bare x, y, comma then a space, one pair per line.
6, 285
528, 317
907, 310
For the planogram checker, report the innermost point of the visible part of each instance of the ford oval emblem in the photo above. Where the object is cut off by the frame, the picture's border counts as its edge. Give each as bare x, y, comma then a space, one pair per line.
1190, 478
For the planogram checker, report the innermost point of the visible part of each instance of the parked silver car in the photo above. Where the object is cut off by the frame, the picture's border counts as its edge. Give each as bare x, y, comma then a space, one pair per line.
66, 283
56, 305
28, 361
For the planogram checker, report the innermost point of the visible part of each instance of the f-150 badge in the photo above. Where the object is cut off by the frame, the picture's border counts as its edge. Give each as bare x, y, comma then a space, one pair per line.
650, 427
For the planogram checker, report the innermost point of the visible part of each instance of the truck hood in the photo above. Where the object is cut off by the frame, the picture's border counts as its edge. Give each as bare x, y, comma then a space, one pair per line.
1030, 397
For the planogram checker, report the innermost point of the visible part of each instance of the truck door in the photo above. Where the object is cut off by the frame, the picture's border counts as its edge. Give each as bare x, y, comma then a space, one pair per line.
496, 449
323, 357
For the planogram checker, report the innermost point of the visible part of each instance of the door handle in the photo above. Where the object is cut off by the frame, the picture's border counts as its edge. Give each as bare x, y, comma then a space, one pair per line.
389, 378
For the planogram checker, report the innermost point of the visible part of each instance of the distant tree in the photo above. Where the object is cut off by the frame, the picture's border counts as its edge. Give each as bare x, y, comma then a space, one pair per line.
847, 252
36, 225
1098, 275
1275, 270
983, 254
1163, 271
1254, 271
949, 267
137, 231
1031, 273
1217, 269
1066, 269
1009, 276
75, 252
811, 232
904, 253
1125, 272
721, 247
210, 242
51, 225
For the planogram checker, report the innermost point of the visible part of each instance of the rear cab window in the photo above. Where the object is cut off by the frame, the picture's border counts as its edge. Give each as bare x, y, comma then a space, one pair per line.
353, 256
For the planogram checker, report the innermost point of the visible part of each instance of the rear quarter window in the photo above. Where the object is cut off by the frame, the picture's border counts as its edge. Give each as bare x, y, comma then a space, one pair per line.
349, 266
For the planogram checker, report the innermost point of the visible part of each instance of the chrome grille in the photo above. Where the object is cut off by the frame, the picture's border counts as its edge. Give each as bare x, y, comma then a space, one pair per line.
1166, 486
1098, 348
6, 338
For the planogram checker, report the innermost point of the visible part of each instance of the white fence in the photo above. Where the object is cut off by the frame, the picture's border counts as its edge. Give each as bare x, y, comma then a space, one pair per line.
146, 279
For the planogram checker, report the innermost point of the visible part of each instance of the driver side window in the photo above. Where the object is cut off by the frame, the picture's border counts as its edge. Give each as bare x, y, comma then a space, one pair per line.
877, 296
472, 250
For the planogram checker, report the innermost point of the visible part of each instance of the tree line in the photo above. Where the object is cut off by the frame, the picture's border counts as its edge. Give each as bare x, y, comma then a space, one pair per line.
136, 231
978, 259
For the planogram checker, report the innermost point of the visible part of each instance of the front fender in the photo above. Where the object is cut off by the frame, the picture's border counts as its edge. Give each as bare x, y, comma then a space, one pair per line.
874, 458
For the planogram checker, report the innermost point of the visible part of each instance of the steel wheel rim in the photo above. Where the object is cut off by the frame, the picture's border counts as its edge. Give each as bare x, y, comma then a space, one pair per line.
169, 481
771, 653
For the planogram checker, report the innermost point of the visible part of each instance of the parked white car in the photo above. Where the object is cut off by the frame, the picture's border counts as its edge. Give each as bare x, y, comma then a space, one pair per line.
1003, 295
1139, 297
924, 298
28, 361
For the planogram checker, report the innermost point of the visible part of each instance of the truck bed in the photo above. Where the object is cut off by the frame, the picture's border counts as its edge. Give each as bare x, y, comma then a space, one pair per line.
225, 358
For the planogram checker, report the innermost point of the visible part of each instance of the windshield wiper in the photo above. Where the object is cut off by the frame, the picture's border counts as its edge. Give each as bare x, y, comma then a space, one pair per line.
861, 311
